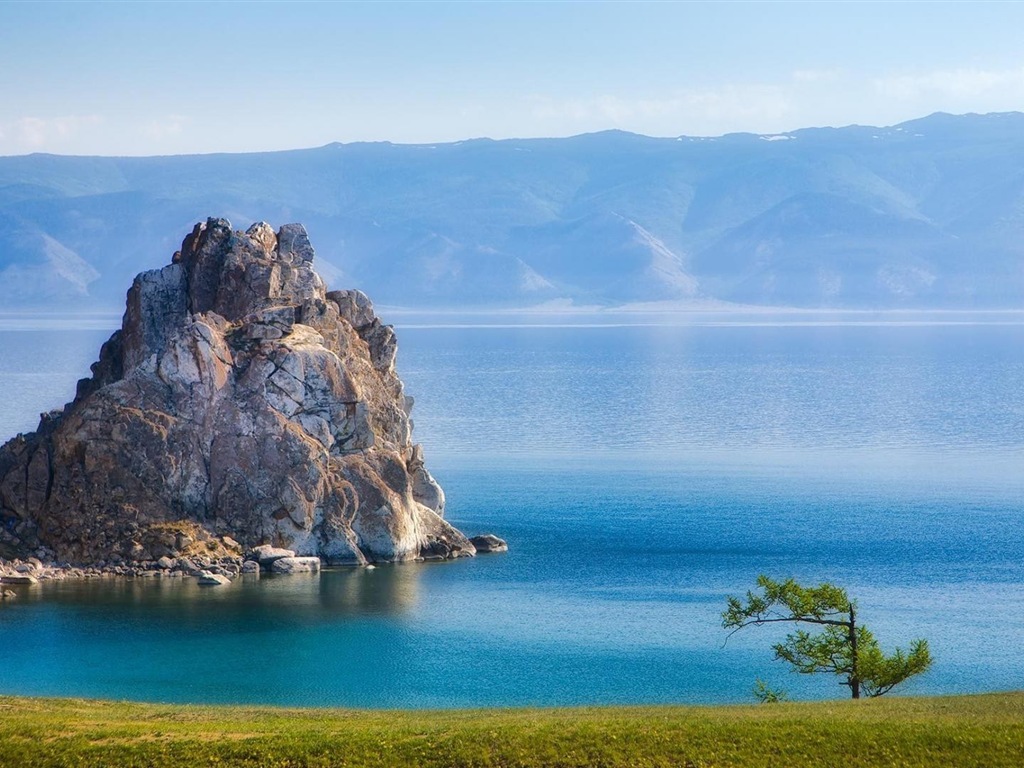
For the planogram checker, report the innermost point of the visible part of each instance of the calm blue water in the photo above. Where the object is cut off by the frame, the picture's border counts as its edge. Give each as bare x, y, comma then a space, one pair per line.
640, 474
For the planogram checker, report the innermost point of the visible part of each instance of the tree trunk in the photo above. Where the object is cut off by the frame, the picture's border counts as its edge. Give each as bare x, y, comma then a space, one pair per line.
854, 661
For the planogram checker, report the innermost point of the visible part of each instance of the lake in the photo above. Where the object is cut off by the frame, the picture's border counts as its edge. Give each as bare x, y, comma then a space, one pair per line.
641, 473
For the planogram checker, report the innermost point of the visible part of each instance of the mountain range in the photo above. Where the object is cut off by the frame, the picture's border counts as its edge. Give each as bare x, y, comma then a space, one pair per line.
925, 214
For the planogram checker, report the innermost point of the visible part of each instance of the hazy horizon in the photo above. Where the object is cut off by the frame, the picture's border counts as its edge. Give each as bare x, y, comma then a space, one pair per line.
470, 139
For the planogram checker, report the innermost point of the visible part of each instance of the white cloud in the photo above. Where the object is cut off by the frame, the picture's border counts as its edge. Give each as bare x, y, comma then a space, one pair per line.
953, 83
817, 75
169, 126
36, 133
31, 131
803, 98
95, 134
769, 105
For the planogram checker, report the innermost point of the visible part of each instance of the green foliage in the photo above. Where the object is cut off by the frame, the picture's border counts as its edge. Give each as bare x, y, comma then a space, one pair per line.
787, 601
879, 673
841, 647
768, 695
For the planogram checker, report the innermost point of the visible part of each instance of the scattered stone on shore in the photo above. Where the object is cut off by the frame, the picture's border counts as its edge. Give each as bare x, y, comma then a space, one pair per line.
207, 579
296, 565
165, 567
265, 555
225, 567
487, 543
18, 578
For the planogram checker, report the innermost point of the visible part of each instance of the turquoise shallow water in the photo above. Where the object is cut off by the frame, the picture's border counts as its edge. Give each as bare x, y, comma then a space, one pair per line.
640, 475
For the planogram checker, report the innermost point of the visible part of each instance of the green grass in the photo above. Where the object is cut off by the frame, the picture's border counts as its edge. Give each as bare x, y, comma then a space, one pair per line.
953, 732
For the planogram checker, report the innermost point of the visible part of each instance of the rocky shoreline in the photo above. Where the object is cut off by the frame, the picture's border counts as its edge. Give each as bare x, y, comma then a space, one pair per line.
33, 570
209, 569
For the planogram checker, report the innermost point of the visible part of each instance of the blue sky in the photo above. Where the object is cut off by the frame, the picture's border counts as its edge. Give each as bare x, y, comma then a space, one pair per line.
168, 78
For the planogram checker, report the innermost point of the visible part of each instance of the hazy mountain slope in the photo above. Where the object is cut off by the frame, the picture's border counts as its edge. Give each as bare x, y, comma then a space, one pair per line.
821, 249
37, 267
604, 257
929, 213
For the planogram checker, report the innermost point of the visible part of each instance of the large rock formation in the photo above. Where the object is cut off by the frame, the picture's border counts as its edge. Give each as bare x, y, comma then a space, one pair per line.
241, 403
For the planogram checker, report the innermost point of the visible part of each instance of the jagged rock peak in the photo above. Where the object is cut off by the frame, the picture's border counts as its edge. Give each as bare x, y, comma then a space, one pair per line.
240, 399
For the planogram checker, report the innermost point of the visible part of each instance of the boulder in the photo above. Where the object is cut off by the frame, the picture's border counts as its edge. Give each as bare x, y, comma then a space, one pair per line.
488, 542
251, 566
18, 578
207, 579
239, 404
296, 565
265, 555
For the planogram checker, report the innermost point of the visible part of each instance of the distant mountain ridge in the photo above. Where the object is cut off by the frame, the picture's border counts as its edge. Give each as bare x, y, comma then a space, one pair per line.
925, 214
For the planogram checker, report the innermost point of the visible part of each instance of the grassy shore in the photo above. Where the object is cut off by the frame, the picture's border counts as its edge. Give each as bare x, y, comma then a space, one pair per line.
962, 731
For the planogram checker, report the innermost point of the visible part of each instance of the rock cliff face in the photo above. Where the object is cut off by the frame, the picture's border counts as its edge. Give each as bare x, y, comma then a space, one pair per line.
240, 404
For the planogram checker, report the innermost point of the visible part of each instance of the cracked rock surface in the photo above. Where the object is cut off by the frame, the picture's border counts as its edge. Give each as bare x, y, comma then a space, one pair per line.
239, 399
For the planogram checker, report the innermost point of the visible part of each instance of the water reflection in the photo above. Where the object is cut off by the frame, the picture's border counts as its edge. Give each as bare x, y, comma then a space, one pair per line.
384, 591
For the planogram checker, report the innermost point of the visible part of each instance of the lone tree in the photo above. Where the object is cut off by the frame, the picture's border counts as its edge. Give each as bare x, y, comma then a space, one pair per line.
842, 647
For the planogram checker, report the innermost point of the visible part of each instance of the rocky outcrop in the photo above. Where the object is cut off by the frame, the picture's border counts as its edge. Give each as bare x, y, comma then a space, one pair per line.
240, 404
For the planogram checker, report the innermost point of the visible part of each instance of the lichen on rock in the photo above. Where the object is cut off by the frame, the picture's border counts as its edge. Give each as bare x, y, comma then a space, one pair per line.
239, 399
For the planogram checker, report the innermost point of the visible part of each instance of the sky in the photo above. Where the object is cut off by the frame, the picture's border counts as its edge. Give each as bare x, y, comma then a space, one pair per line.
152, 78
